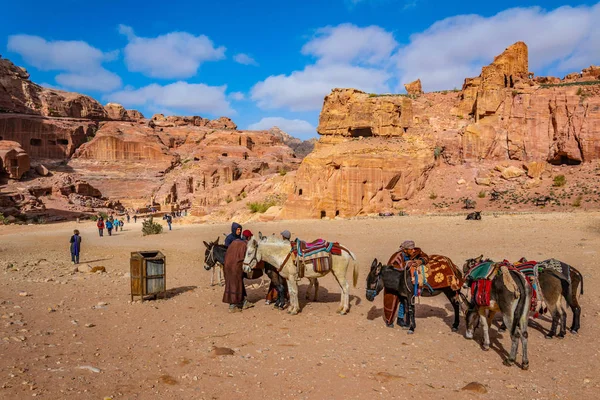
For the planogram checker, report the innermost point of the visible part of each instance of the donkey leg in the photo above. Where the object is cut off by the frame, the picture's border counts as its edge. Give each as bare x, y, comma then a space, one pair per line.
456, 306
563, 322
310, 285
316, 284
575, 307
485, 324
411, 316
555, 320
212, 276
524, 337
221, 280
513, 348
293, 288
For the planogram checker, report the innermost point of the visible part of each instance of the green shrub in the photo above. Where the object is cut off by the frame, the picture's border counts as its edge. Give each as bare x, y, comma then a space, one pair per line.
261, 207
149, 227
282, 171
577, 202
515, 93
3, 220
102, 214
579, 91
228, 199
481, 194
559, 180
432, 196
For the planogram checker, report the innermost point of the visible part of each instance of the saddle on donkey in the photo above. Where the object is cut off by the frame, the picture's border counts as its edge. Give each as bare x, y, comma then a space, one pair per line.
315, 255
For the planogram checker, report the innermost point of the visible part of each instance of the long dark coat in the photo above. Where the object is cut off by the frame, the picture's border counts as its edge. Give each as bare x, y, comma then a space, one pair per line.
235, 290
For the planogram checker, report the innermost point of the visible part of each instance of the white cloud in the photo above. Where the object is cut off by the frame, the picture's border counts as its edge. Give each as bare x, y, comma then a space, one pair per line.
347, 43
237, 96
295, 127
244, 59
81, 63
345, 56
180, 96
305, 90
452, 49
173, 55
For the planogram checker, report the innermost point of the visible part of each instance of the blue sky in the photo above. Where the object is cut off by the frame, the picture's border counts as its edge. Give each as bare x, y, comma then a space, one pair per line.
266, 63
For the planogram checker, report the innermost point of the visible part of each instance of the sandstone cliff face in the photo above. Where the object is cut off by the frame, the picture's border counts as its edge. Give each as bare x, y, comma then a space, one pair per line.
14, 161
355, 177
43, 137
377, 151
19, 95
352, 113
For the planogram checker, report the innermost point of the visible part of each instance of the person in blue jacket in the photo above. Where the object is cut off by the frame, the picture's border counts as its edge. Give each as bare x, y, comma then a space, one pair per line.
236, 233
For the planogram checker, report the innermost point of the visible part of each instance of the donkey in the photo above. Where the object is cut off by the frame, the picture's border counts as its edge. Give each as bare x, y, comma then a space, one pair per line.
511, 295
554, 286
397, 282
474, 216
277, 252
214, 258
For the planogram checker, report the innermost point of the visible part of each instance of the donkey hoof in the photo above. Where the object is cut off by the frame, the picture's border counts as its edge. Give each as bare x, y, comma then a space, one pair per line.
525, 366
508, 362
410, 332
574, 331
454, 329
561, 335
390, 325
548, 336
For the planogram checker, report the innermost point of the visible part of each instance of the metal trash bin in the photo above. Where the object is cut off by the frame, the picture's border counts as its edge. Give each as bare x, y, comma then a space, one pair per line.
148, 271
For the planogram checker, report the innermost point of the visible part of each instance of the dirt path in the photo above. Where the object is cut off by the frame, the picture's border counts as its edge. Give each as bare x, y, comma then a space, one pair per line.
165, 348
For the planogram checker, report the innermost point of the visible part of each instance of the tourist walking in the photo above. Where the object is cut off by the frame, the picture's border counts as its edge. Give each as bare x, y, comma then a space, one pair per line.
169, 220
135, 218
128, 218
75, 246
100, 225
109, 227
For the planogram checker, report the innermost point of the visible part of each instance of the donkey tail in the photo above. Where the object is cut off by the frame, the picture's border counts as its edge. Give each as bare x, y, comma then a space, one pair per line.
522, 302
581, 279
355, 273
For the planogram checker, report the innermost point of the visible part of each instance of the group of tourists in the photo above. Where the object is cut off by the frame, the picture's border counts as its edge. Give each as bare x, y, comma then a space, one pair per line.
235, 292
110, 224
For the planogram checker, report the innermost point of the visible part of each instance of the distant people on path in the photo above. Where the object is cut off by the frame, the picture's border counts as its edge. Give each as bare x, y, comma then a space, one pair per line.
121, 224
236, 233
128, 218
109, 227
169, 220
135, 218
100, 225
116, 224
75, 246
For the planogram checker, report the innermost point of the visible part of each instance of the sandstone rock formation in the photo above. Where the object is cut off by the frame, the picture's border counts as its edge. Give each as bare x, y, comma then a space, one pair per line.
19, 95
377, 151
14, 161
353, 113
116, 112
414, 88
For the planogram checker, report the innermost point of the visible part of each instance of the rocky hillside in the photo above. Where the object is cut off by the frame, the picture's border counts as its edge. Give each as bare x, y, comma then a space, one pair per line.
168, 161
506, 131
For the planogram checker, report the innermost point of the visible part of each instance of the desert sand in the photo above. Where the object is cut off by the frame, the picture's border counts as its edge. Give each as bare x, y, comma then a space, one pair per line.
55, 321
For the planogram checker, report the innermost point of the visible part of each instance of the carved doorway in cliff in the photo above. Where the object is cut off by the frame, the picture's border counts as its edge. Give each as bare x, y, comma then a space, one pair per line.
361, 132
323, 214
563, 159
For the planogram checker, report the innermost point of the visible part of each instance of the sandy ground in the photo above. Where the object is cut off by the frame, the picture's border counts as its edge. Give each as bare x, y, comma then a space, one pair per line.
165, 348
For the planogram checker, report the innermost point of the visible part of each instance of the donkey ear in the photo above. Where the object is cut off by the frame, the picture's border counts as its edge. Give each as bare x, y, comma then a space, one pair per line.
374, 263
260, 235
206, 244
217, 241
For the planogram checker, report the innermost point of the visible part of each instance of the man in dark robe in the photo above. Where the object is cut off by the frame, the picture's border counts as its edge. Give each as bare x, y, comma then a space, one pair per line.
235, 291
410, 257
236, 233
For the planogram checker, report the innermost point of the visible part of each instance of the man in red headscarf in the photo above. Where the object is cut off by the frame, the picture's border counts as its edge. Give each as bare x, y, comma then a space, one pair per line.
235, 291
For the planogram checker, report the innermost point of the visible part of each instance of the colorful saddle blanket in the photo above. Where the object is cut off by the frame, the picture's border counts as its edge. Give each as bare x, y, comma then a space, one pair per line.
315, 255
438, 273
481, 292
485, 270
559, 268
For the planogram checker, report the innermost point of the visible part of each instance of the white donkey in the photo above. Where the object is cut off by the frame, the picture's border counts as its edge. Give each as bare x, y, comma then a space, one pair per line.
276, 252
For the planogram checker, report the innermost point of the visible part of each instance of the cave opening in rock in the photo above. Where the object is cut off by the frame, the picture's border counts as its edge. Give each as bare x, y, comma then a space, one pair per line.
563, 159
337, 213
245, 156
299, 192
512, 83
35, 142
63, 142
505, 81
361, 132
224, 154
323, 214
